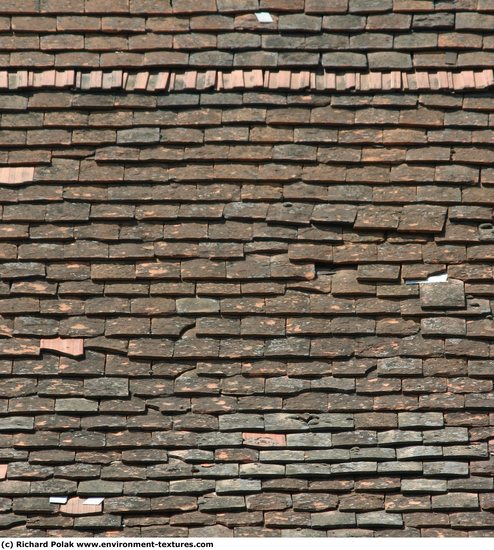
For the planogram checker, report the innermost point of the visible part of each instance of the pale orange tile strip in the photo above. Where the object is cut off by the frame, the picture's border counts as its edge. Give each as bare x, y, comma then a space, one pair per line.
237, 79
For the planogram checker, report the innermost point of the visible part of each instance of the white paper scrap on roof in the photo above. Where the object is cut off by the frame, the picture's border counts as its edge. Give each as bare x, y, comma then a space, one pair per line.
264, 17
93, 501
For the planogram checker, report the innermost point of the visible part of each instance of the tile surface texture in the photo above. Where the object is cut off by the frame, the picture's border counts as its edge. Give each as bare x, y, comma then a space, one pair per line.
246, 268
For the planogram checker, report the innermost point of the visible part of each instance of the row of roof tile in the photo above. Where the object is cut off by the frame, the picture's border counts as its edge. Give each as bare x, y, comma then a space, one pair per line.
249, 79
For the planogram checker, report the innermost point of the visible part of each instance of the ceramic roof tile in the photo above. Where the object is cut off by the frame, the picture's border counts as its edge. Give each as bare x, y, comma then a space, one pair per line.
213, 233
420, 24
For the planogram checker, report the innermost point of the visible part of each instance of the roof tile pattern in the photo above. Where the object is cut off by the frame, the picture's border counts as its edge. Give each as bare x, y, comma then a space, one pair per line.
246, 268
397, 35
251, 276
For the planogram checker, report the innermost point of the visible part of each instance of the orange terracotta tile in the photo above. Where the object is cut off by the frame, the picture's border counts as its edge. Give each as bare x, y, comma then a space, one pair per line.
422, 80
59, 79
375, 81
116, 79
300, 80
16, 174
468, 79
95, 79
480, 81
210, 79
4, 79
106, 81
305, 79
254, 78
265, 81
219, 80
320, 82
141, 81
364, 82
340, 82
433, 81
162, 80
37, 80
227, 81
404, 80
75, 507
458, 81
312, 83
272, 80
411, 81
386, 81
350, 81
237, 79
450, 80
22, 79
171, 81
489, 77
68, 346
48, 78
443, 79
190, 79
